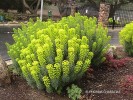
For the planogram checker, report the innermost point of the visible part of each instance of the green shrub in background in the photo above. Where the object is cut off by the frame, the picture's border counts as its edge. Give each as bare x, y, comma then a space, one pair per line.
7, 16
110, 20
52, 54
126, 38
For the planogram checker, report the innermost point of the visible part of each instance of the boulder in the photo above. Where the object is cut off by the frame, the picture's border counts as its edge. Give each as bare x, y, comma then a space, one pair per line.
4, 73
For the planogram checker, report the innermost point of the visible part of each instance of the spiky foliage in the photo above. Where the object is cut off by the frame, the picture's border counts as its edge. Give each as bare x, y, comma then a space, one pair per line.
126, 38
52, 54
98, 40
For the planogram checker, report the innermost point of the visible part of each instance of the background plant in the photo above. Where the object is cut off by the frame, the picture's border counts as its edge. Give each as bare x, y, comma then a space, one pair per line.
74, 92
110, 20
7, 16
126, 39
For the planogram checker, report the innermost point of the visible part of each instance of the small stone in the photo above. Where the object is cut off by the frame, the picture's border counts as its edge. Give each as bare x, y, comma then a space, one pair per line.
99, 85
110, 52
4, 73
86, 91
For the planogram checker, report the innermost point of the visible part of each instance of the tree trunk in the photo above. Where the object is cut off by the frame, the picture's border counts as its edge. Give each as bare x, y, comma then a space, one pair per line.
38, 3
27, 6
104, 14
112, 11
30, 8
73, 9
72, 5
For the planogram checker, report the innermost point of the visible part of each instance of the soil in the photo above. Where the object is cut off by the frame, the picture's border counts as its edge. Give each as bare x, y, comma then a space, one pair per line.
19, 90
103, 84
108, 81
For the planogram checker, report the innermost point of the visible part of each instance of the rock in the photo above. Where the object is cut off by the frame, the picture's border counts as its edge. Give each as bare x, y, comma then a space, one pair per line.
117, 52
4, 73
110, 52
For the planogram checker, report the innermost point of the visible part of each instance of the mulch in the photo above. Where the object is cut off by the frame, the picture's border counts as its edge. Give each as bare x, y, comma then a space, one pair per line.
103, 84
108, 84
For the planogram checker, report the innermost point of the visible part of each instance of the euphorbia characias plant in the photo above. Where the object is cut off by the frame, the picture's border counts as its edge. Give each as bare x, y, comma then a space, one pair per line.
126, 38
50, 55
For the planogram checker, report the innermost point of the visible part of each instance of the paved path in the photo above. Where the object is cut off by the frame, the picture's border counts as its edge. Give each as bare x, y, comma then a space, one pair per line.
6, 32
114, 33
5, 36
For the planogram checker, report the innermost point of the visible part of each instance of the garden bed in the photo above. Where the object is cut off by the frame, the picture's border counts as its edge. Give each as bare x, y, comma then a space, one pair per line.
109, 81
95, 86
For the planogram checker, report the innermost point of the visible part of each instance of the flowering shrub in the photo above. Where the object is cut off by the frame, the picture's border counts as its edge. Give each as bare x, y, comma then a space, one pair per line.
51, 54
126, 39
98, 39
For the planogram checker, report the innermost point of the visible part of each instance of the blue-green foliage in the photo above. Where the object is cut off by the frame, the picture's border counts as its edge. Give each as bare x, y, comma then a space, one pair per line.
98, 39
74, 92
52, 54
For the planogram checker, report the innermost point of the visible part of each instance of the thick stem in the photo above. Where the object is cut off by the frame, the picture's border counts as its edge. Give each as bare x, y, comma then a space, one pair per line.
33, 11
27, 6
38, 3
73, 10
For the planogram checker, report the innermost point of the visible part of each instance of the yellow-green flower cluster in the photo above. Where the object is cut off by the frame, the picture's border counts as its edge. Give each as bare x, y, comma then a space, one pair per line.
46, 81
65, 68
59, 57
67, 71
86, 65
57, 70
126, 38
41, 57
71, 55
78, 67
35, 76
51, 71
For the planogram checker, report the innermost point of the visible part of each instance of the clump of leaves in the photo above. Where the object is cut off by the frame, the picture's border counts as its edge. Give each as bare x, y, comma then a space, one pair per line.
110, 20
74, 92
116, 58
7, 16
12, 70
114, 62
127, 84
